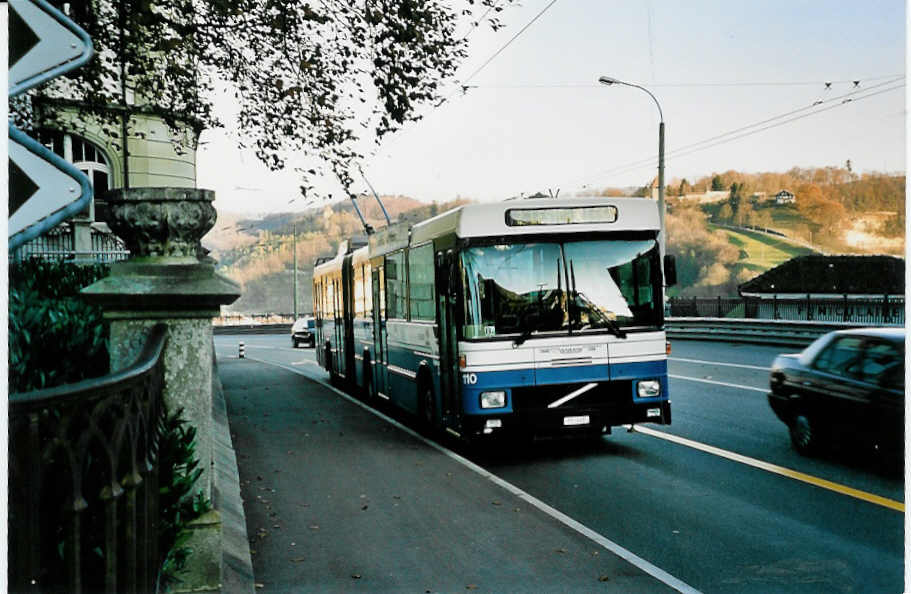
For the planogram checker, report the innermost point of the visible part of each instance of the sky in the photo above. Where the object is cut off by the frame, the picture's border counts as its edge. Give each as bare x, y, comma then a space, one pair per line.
535, 119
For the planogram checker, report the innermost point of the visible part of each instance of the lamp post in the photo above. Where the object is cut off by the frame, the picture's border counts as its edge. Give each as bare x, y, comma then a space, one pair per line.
608, 81
294, 264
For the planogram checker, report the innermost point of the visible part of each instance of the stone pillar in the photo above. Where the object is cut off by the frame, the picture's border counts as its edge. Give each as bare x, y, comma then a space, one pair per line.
168, 280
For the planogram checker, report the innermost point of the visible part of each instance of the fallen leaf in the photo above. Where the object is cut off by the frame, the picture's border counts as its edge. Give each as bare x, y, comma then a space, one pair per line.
561, 551
364, 508
496, 503
298, 560
471, 587
604, 578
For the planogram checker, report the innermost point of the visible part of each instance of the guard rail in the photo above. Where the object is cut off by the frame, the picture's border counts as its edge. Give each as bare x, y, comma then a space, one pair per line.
778, 332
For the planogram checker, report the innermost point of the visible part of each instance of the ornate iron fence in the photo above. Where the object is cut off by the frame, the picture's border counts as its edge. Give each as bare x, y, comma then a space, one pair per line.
83, 481
58, 243
888, 310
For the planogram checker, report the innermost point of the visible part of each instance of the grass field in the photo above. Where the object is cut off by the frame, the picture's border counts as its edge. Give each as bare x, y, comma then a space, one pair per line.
760, 252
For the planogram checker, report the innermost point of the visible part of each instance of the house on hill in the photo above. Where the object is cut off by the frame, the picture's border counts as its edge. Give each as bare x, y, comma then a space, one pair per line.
864, 289
785, 197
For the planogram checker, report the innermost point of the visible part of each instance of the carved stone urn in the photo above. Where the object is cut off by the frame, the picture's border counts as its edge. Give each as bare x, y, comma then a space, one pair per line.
168, 273
161, 222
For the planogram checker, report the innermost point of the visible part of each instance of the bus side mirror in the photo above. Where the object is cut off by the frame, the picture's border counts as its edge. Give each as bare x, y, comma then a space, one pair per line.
670, 270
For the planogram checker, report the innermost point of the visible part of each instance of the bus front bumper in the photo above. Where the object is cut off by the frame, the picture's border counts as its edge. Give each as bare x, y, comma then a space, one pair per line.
560, 422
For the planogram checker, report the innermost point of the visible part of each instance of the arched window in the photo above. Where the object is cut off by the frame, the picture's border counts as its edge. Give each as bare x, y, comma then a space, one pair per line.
85, 156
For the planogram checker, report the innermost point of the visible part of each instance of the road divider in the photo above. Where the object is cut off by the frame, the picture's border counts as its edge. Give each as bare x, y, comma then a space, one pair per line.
775, 469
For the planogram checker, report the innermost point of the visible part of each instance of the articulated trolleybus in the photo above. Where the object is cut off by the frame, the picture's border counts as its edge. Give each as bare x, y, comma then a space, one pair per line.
539, 315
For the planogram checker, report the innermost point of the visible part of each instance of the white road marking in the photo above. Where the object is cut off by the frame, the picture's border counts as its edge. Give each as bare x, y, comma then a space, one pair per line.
652, 570
304, 362
741, 365
725, 384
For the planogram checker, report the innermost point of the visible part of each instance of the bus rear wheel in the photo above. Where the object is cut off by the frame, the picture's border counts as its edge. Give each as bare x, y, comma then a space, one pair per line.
426, 408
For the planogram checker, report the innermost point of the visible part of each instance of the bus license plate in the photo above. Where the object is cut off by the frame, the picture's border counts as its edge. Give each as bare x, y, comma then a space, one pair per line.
580, 420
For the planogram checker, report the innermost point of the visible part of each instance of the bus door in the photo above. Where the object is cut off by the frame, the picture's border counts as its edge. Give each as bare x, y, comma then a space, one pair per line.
348, 321
447, 281
379, 332
338, 329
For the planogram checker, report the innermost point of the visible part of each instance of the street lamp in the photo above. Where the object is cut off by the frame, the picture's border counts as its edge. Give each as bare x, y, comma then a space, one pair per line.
608, 81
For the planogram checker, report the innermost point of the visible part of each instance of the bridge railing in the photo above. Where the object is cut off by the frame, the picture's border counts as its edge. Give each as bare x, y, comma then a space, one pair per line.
83, 476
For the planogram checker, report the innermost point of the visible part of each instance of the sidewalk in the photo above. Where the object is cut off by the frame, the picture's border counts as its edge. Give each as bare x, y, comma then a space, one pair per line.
338, 500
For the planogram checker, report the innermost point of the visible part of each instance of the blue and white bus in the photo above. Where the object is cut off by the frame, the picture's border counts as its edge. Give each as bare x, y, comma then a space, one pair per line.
540, 315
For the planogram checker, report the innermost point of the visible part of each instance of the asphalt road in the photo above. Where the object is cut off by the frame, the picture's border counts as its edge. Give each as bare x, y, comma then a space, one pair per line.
726, 507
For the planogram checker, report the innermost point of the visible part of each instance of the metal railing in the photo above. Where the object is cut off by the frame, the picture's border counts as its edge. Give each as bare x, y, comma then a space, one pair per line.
83, 476
886, 310
773, 332
59, 244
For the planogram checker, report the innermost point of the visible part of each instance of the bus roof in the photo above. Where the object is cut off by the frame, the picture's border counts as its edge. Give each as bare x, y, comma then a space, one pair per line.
490, 219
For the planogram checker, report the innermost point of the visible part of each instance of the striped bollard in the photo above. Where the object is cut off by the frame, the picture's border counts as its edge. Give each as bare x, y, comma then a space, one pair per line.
240, 350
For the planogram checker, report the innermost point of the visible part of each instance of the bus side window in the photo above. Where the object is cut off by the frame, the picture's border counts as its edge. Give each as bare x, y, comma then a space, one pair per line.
368, 291
395, 286
421, 282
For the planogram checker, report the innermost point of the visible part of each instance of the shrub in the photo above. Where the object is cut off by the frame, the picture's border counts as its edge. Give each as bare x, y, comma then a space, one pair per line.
55, 336
178, 506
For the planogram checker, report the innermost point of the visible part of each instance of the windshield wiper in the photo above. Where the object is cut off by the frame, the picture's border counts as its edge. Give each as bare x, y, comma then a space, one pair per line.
522, 337
612, 325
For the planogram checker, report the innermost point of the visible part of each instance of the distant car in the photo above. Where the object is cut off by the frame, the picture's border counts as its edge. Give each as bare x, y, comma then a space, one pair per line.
847, 385
303, 331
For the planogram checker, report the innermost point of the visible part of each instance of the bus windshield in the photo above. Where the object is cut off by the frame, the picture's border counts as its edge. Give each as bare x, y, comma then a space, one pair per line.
560, 287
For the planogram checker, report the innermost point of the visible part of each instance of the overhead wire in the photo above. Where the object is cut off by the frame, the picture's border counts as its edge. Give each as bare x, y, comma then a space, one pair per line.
480, 20
462, 86
753, 128
755, 124
589, 85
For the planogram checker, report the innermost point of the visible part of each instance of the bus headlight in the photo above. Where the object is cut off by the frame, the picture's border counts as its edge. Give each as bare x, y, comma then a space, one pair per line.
649, 388
493, 399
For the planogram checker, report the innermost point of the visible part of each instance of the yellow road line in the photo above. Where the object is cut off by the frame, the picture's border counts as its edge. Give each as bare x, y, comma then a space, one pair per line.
780, 470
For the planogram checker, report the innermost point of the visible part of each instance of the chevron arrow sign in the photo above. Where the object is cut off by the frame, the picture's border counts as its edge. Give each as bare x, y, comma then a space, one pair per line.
43, 43
44, 190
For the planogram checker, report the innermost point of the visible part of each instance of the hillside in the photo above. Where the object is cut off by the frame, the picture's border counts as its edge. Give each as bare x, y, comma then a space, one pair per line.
835, 210
258, 252
714, 252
